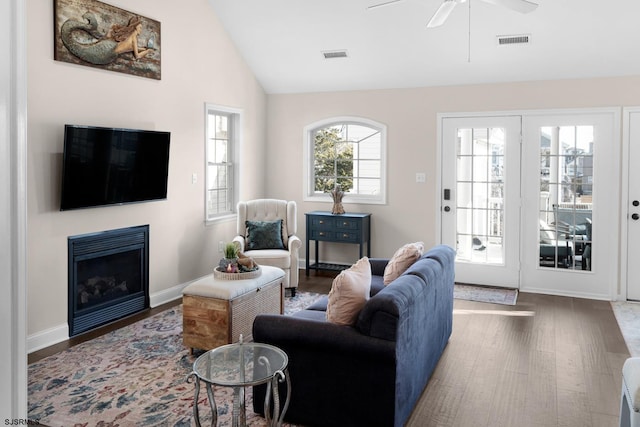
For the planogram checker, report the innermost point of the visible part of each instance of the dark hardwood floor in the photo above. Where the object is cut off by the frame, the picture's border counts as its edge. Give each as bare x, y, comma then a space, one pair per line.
547, 361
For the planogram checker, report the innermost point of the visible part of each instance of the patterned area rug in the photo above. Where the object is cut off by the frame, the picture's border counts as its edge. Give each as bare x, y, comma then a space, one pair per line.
486, 294
134, 376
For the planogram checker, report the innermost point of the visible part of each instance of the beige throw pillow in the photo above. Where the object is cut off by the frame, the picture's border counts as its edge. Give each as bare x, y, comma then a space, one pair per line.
349, 293
401, 260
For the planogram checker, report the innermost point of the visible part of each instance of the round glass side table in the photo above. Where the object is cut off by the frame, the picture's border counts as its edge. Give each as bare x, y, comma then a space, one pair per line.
238, 366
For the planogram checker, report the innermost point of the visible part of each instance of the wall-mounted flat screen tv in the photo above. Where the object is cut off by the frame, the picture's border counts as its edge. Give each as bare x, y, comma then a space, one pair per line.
109, 166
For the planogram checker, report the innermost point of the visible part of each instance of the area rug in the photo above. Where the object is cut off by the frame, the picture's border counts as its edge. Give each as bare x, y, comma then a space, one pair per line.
134, 376
488, 294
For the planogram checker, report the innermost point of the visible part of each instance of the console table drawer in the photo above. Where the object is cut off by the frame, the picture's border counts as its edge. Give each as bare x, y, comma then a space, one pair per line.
348, 224
346, 237
322, 235
322, 223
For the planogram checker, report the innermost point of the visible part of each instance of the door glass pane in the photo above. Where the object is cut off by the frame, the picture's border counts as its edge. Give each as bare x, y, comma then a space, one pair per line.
480, 198
566, 197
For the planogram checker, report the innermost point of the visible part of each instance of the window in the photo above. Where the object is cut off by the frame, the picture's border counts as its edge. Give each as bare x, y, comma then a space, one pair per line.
222, 154
349, 152
566, 196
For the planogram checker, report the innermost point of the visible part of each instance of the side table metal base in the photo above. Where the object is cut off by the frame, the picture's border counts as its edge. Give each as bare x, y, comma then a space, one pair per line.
239, 417
238, 366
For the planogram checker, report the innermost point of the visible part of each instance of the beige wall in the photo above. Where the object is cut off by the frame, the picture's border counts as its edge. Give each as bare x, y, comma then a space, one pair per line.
411, 118
199, 64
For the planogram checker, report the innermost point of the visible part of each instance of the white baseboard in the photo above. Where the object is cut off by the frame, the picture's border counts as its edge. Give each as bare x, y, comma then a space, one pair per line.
60, 333
46, 338
167, 295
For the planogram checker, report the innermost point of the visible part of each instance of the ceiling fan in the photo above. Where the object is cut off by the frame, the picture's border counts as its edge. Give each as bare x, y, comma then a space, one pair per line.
445, 9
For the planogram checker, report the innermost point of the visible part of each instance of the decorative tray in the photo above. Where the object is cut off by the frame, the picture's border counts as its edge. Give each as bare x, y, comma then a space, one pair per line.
223, 275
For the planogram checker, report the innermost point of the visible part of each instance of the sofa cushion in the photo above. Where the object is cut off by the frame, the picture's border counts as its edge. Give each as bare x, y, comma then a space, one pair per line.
401, 260
349, 293
264, 235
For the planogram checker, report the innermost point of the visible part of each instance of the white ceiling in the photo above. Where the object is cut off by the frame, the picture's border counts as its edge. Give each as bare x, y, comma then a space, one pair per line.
390, 47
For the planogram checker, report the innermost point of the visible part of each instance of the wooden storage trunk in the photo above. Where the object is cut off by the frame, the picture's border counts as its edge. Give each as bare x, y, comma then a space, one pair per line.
210, 322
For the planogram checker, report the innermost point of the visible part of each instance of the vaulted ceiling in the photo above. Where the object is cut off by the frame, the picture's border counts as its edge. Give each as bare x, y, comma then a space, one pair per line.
390, 47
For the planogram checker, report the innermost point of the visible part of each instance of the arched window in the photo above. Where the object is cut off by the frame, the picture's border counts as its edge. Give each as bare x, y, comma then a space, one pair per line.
349, 152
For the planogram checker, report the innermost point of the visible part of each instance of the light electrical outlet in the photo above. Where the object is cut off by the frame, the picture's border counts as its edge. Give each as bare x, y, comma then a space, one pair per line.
421, 177
220, 246
194, 178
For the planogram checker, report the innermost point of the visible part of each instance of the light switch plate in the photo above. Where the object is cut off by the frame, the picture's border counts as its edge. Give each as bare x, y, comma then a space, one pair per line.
421, 177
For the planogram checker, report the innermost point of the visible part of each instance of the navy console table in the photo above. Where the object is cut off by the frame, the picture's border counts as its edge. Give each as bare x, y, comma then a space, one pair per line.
344, 228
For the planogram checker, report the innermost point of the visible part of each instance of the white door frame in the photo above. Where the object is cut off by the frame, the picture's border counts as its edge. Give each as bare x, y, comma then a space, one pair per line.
615, 291
13, 209
622, 290
601, 282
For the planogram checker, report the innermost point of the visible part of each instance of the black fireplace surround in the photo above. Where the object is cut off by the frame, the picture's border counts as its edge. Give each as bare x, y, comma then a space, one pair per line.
108, 277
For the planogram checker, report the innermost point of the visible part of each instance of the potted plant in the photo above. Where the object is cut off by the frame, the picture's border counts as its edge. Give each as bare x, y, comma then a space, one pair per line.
229, 263
231, 251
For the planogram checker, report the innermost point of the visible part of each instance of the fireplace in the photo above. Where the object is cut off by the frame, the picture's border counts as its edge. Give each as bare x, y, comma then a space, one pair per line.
108, 276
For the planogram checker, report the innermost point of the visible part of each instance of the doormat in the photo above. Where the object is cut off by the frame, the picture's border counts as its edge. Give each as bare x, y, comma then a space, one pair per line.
493, 295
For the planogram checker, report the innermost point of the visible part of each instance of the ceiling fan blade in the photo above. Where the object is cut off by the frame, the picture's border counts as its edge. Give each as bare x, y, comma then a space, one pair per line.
443, 13
522, 6
384, 3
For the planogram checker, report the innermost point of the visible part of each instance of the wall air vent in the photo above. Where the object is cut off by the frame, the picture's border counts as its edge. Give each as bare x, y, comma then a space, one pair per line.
333, 54
511, 40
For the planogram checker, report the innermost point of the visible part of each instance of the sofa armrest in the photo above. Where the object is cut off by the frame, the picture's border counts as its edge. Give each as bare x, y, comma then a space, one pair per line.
378, 265
337, 374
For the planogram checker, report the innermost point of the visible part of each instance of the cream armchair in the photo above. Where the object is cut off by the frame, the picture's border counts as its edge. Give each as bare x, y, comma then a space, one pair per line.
257, 238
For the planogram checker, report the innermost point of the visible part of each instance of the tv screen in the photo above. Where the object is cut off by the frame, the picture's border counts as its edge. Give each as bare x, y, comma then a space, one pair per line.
107, 166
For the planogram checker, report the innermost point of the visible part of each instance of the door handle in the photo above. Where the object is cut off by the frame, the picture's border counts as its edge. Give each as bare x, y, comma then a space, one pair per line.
447, 209
635, 217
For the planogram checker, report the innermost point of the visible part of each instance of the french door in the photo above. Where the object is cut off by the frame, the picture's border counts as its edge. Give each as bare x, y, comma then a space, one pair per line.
527, 200
481, 197
570, 201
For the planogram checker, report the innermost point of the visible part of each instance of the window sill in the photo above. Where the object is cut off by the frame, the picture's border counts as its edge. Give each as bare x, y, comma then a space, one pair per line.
221, 219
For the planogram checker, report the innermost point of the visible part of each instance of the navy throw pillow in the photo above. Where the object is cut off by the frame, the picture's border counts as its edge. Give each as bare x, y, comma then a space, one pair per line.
264, 234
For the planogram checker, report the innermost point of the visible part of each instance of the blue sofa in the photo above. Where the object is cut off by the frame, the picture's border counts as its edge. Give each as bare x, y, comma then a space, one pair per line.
372, 373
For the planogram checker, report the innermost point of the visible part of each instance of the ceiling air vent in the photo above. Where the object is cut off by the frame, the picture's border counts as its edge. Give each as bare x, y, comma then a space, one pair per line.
511, 40
333, 54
